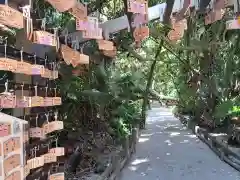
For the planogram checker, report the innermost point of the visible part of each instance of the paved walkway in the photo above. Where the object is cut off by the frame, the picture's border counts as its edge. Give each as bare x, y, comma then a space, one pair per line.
167, 151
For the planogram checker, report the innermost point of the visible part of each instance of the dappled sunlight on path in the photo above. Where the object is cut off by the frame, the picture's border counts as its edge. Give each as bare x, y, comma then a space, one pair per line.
168, 151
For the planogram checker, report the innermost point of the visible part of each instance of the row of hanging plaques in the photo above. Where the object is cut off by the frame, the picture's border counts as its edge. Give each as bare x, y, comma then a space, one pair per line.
13, 136
12, 156
139, 8
14, 18
52, 152
89, 26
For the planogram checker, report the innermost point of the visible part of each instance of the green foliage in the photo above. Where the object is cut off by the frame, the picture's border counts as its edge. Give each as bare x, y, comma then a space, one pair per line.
107, 96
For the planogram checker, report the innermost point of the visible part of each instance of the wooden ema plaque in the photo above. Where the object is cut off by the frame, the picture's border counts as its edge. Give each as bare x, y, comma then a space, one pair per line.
36, 101
58, 151
49, 158
23, 102
8, 101
14, 176
141, 33
36, 132
52, 126
48, 101
178, 29
85, 25
26, 171
138, 6
71, 56
214, 16
23, 67
105, 45
5, 129
139, 19
46, 73
232, 24
110, 54
11, 163
79, 11
57, 176
45, 38
11, 17
11, 145
57, 101
37, 69
35, 162
8, 64
94, 34
61, 5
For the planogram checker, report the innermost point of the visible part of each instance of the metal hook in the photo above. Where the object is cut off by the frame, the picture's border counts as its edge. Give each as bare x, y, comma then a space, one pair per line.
46, 90
47, 117
55, 115
5, 47
35, 88
66, 37
55, 91
45, 60
36, 120
21, 54
22, 88
81, 48
43, 25
56, 142
35, 58
6, 86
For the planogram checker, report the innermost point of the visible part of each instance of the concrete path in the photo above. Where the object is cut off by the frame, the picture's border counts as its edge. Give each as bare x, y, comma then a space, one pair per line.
167, 151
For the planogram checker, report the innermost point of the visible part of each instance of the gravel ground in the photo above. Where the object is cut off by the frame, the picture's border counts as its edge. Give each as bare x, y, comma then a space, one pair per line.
167, 151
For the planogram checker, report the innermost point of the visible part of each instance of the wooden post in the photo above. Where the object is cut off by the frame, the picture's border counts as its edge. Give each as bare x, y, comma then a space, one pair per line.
134, 139
126, 147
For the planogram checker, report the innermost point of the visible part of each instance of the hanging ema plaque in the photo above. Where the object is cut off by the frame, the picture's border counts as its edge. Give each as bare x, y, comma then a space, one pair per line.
141, 33
58, 151
11, 17
105, 45
57, 176
178, 29
232, 24
138, 6
45, 38
94, 34
139, 19
61, 5
79, 11
11, 145
14, 176
5, 129
11, 163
